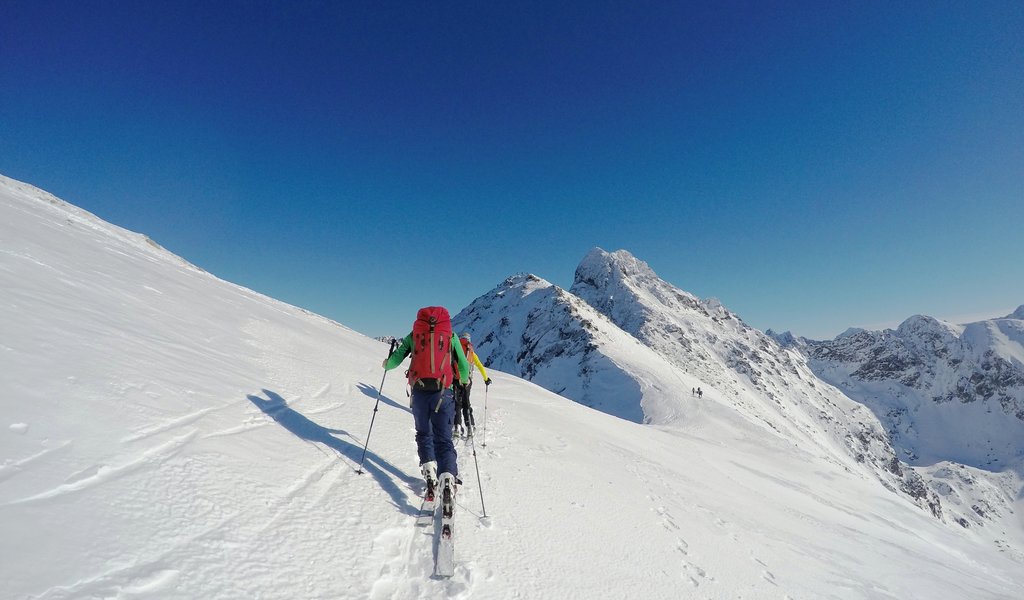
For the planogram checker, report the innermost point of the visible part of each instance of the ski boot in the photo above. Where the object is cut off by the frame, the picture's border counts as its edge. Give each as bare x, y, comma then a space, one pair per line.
448, 486
429, 470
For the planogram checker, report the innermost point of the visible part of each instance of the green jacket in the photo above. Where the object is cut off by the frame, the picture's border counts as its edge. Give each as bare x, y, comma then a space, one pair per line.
405, 349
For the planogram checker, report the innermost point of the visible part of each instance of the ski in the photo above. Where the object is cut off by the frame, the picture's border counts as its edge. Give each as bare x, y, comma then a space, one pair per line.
445, 566
427, 507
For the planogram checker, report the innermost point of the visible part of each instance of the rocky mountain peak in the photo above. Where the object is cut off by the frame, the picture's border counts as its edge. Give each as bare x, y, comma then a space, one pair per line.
628, 291
786, 339
527, 281
851, 331
602, 270
925, 325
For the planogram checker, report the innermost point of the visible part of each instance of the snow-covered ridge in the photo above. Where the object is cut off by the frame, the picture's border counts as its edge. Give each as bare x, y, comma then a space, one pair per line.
537, 330
28, 199
170, 435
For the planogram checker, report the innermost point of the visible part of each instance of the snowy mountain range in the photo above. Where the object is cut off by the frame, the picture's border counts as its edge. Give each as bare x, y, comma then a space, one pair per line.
944, 391
172, 435
625, 341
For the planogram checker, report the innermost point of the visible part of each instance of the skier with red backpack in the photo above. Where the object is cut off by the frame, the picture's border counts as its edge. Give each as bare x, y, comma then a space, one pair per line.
433, 347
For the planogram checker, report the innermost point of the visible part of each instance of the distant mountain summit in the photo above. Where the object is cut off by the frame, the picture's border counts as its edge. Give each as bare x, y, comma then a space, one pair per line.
629, 292
534, 329
702, 337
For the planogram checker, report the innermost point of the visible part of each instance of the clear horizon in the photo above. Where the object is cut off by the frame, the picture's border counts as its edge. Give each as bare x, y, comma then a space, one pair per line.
815, 167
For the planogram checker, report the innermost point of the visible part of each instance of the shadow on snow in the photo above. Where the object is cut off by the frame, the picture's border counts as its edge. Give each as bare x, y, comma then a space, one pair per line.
372, 392
277, 408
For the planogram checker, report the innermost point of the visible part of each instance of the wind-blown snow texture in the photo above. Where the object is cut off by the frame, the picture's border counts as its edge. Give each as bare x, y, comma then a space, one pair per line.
172, 435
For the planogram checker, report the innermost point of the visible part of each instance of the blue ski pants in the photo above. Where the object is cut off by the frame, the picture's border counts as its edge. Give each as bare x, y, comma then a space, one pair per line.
433, 413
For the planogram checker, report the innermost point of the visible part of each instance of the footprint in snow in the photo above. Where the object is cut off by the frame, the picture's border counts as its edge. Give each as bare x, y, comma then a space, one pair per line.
667, 520
694, 574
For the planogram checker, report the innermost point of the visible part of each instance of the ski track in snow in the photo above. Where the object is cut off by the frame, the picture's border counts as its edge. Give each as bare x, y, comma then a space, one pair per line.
102, 473
13, 467
167, 426
315, 485
406, 553
150, 575
138, 580
406, 556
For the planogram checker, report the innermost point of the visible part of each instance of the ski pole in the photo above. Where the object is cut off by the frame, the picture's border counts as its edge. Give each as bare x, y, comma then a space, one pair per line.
479, 483
375, 404
484, 440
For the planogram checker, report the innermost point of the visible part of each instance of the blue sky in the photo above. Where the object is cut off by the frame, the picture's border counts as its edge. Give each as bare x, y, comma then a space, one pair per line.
815, 165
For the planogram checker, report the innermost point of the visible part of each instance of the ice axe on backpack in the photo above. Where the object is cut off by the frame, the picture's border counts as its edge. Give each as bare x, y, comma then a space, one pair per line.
375, 405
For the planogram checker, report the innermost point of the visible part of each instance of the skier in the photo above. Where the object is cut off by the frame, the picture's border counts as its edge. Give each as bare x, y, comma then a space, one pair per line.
700, 393
463, 409
431, 374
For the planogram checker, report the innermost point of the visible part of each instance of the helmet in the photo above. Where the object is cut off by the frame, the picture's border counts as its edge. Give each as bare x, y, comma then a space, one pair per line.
466, 336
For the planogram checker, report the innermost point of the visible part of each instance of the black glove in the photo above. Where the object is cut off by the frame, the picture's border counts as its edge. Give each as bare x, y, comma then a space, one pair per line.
487, 381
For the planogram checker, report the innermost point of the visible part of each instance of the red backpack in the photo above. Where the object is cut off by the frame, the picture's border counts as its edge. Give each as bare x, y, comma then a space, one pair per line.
467, 349
431, 367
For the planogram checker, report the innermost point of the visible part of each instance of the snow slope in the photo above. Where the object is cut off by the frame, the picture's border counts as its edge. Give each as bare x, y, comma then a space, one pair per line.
171, 435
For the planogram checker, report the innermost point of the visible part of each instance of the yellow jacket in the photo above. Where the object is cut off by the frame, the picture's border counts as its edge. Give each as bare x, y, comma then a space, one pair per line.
475, 360
472, 359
